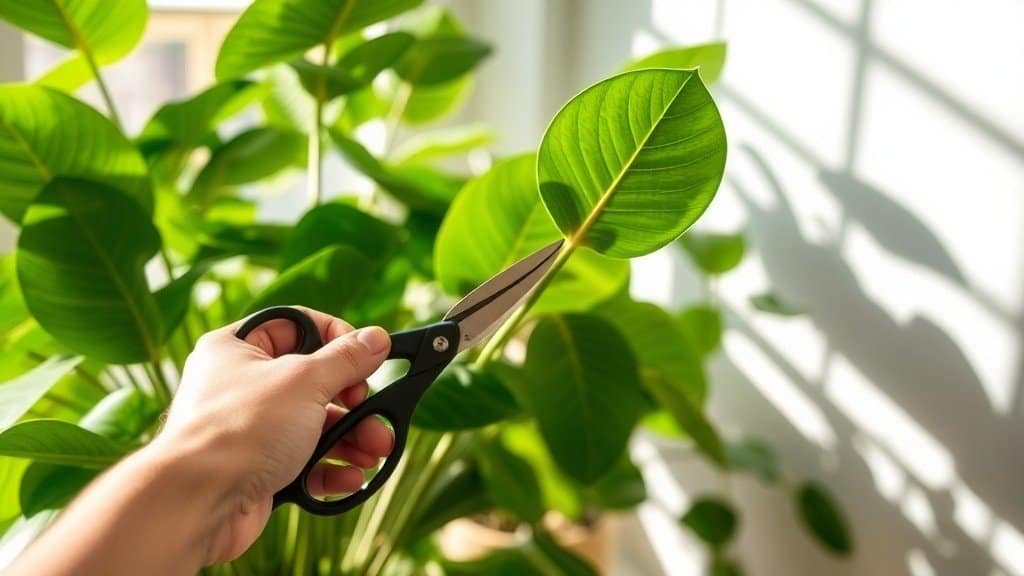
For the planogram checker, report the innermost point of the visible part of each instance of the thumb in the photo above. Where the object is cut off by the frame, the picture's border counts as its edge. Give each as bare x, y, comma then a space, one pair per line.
348, 359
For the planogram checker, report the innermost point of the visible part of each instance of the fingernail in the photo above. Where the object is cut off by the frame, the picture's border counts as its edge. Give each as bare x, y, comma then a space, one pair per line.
374, 338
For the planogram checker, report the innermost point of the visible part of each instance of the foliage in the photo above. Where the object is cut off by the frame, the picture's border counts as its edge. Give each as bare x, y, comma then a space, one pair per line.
92, 339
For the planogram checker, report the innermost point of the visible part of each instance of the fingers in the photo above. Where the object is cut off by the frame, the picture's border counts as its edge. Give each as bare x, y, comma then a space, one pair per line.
347, 360
365, 445
331, 480
278, 337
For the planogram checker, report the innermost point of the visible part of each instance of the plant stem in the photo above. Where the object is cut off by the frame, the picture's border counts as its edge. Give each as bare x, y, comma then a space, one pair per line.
160, 386
497, 342
104, 92
398, 106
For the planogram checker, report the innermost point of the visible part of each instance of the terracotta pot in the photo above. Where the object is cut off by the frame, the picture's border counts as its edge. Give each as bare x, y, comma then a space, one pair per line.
466, 539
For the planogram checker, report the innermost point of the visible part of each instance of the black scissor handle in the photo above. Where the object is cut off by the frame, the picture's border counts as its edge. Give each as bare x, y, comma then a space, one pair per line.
429, 350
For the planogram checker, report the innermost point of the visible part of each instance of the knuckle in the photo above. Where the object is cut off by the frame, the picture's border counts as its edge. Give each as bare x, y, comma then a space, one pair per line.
350, 356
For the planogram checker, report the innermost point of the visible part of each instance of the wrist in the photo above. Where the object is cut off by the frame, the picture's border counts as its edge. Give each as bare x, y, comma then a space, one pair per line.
186, 472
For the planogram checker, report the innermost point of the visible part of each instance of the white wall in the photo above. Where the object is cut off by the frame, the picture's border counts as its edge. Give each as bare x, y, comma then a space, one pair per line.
11, 69
877, 160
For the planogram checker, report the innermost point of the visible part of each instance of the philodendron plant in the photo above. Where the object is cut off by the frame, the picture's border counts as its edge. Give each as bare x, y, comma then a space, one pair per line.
131, 245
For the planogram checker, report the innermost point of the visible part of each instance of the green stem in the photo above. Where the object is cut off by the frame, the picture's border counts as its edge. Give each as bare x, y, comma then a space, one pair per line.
394, 121
160, 385
501, 337
104, 92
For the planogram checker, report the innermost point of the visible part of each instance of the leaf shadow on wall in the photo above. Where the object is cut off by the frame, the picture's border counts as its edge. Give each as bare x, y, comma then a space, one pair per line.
915, 364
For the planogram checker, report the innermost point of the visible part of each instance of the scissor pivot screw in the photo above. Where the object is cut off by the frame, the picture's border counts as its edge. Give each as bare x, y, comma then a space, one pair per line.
440, 344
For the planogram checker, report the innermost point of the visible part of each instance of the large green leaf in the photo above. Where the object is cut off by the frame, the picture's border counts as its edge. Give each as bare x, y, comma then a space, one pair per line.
498, 219
59, 442
330, 280
658, 344
631, 162
621, 489
687, 415
81, 258
44, 134
123, 415
252, 155
12, 470
463, 398
440, 59
50, 486
339, 223
702, 326
510, 480
428, 147
420, 187
356, 69
560, 492
713, 520
429, 102
17, 396
823, 518
709, 58
582, 386
90, 27
272, 31
190, 123
714, 253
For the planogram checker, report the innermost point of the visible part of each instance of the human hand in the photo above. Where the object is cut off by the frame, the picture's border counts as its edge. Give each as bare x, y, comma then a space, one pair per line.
258, 411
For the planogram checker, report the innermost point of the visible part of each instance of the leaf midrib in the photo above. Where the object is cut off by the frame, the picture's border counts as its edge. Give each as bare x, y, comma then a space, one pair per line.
581, 233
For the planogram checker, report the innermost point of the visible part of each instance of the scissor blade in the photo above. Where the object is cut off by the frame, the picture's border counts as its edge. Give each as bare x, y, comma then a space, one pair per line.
483, 309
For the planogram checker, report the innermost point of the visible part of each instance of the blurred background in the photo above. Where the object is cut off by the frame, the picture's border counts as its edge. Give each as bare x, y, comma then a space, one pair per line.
877, 165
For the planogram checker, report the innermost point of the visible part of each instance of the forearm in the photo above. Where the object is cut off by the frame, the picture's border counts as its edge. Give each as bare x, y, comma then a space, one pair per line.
154, 513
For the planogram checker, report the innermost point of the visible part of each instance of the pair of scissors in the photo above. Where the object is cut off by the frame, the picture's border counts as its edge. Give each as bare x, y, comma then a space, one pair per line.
428, 349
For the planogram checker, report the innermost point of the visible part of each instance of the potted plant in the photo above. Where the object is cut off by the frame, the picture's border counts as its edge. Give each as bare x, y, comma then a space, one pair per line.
529, 435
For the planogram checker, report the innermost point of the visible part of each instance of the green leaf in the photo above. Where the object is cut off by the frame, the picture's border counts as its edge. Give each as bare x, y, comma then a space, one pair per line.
12, 470
631, 162
721, 566
823, 518
59, 442
356, 69
272, 31
754, 456
582, 386
89, 27
498, 219
621, 489
428, 103
712, 520
50, 486
554, 557
459, 494
174, 298
221, 240
420, 187
702, 326
330, 281
251, 156
189, 123
559, 492
427, 147
439, 59
714, 253
771, 304
658, 344
463, 398
709, 58
123, 415
44, 134
339, 223
688, 416
510, 481
19, 395
84, 283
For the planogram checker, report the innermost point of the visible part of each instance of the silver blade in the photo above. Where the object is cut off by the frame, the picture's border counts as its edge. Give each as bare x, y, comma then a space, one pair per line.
483, 309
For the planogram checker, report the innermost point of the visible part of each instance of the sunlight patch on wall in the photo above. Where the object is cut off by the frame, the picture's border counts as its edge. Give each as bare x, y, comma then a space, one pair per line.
971, 514
875, 413
905, 290
890, 480
917, 563
1008, 548
780, 390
